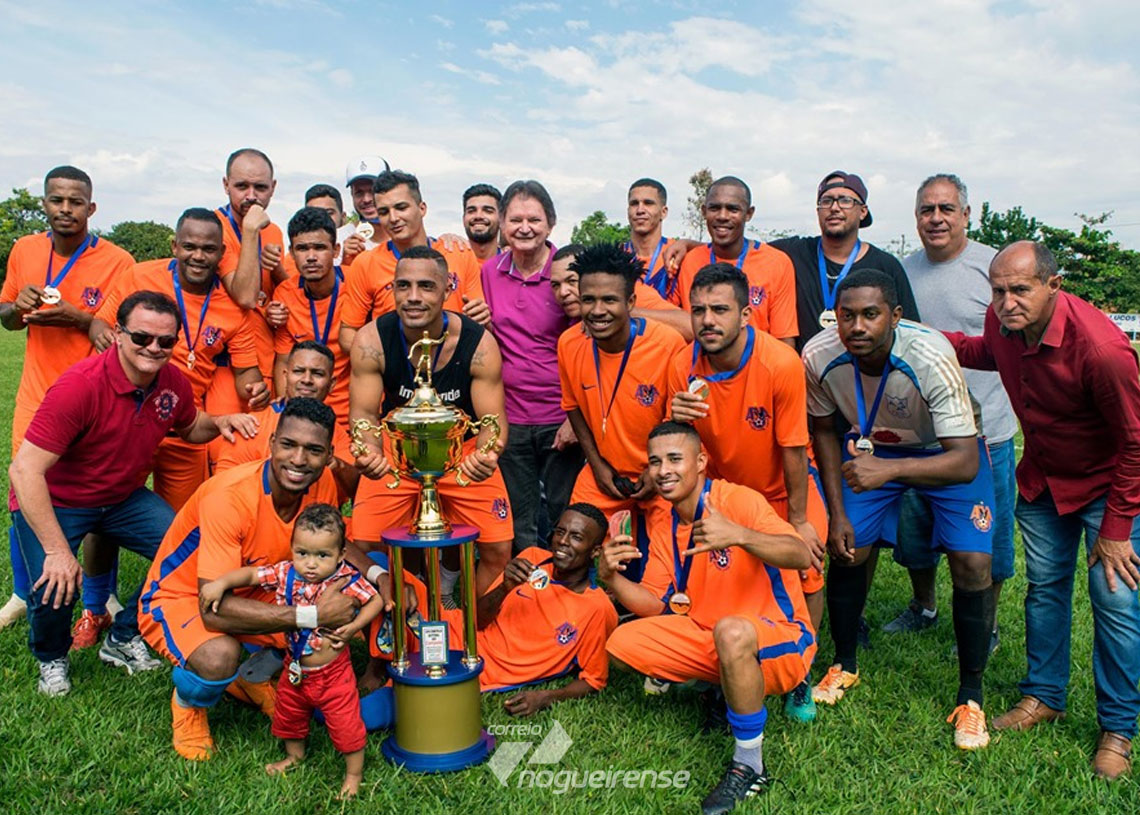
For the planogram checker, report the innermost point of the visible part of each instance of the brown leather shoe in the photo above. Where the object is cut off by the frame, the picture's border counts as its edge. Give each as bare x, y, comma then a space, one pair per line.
1113, 755
1025, 714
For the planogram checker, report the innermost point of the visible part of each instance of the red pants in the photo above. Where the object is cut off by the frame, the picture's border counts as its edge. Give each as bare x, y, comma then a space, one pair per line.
332, 688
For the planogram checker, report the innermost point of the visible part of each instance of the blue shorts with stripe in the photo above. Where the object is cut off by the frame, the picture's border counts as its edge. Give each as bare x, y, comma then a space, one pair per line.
963, 513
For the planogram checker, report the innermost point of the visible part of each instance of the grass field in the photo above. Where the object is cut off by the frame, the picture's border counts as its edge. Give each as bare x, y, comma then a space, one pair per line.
886, 749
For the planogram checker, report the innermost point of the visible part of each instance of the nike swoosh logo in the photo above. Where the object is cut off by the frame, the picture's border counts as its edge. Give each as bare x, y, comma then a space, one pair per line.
254, 560
588, 387
524, 596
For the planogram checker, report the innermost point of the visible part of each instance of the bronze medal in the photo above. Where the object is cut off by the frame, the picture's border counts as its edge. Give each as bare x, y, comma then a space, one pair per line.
700, 388
680, 603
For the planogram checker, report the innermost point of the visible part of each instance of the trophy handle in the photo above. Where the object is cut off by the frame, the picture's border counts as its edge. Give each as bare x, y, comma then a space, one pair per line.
359, 429
490, 420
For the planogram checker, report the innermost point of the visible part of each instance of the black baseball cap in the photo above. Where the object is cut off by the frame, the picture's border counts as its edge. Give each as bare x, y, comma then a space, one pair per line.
840, 178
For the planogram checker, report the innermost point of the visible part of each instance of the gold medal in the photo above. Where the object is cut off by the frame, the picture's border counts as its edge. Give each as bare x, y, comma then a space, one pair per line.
700, 388
827, 318
679, 603
865, 445
50, 296
365, 230
190, 360
538, 580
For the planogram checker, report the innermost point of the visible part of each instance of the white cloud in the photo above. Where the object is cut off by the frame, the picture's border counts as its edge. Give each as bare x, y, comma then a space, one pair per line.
577, 25
479, 76
529, 8
496, 26
443, 21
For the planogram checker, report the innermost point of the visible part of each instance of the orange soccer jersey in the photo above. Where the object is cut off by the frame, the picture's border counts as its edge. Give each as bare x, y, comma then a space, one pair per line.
316, 320
369, 280
228, 523
771, 285
51, 350
648, 298
621, 420
729, 582
539, 634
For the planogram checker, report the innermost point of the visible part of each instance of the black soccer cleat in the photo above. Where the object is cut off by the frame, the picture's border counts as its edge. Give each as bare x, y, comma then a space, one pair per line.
740, 781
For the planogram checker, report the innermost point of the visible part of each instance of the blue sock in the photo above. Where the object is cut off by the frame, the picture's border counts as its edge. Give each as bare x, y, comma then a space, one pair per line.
21, 583
748, 730
96, 590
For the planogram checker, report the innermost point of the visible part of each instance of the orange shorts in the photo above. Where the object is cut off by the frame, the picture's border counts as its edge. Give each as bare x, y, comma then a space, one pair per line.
179, 469
173, 627
677, 649
817, 517
481, 504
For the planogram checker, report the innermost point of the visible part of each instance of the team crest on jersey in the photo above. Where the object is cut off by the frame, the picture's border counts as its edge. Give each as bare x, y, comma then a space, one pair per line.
756, 295
757, 418
499, 508
721, 558
981, 516
897, 406
452, 281
165, 403
647, 394
91, 297
211, 334
566, 634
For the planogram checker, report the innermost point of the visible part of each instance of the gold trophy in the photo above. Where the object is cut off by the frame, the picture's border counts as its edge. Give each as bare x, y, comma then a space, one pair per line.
438, 718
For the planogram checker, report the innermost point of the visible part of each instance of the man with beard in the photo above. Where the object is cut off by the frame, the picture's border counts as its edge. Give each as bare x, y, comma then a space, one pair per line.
481, 220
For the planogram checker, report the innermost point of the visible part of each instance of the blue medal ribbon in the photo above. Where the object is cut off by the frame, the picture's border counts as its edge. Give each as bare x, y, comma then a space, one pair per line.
829, 291
636, 326
659, 279
743, 253
681, 570
720, 376
88, 243
173, 267
297, 647
323, 339
396, 252
867, 421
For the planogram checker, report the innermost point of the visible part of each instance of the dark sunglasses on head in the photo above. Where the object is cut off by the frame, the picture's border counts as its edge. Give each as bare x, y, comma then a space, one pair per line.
143, 339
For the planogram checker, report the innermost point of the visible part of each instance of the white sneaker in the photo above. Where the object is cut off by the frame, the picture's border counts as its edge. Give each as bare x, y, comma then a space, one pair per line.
113, 606
132, 655
13, 610
53, 678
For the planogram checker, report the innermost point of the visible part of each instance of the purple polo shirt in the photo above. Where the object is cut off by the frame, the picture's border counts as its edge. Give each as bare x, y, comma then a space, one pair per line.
106, 430
527, 321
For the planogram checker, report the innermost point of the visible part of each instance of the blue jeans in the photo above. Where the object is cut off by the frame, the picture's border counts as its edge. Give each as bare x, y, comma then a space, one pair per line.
916, 522
539, 480
137, 523
1052, 543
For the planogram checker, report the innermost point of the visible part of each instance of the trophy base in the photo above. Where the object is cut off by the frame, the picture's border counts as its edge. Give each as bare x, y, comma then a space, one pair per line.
438, 719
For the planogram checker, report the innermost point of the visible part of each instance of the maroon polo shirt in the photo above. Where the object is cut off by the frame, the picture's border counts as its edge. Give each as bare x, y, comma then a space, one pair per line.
1077, 395
105, 430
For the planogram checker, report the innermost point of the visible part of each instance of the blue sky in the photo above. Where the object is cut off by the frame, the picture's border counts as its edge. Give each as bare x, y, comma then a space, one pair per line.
1034, 103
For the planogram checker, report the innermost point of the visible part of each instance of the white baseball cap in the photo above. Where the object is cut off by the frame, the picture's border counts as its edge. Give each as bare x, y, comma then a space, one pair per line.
364, 167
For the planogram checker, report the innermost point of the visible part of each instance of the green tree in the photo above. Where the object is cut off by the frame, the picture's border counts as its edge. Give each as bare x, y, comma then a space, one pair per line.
145, 240
694, 218
594, 228
20, 215
1096, 267
1001, 229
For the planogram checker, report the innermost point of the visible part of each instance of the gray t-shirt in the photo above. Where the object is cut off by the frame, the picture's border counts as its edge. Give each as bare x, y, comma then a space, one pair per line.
954, 296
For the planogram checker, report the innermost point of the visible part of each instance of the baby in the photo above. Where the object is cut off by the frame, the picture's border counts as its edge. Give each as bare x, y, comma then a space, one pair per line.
318, 673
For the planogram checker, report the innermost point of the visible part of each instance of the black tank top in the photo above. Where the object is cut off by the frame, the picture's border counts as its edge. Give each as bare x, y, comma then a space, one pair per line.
452, 381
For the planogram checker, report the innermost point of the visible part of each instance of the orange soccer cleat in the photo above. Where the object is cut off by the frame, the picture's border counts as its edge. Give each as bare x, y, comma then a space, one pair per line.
192, 739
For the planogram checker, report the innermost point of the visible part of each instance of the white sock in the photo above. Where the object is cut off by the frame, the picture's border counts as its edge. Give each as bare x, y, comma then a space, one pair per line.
749, 753
447, 580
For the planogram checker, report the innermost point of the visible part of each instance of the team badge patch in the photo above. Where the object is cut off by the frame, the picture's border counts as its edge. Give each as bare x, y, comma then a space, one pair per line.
499, 508
91, 297
647, 394
757, 418
897, 406
165, 403
211, 335
722, 559
981, 516
566, 634
756, 295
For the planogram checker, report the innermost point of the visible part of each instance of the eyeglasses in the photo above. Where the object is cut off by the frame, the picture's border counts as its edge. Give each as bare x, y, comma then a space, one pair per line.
143, 339
844, 201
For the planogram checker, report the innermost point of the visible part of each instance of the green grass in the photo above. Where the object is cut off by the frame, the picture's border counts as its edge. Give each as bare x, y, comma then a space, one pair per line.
886, 749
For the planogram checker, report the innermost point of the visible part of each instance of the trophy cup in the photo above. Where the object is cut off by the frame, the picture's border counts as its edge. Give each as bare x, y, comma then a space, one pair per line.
438, 717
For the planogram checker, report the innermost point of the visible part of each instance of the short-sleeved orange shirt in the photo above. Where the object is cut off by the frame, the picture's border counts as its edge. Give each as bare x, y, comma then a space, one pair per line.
771, 285
229, 522
231, 237
731, 581
648, 298
224, 324
752, 414
639, 404
244, 450
300, 326
541, 634
51, 350
369, 282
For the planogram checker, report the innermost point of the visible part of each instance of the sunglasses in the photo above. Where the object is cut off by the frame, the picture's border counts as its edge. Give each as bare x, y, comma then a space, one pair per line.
143, 340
